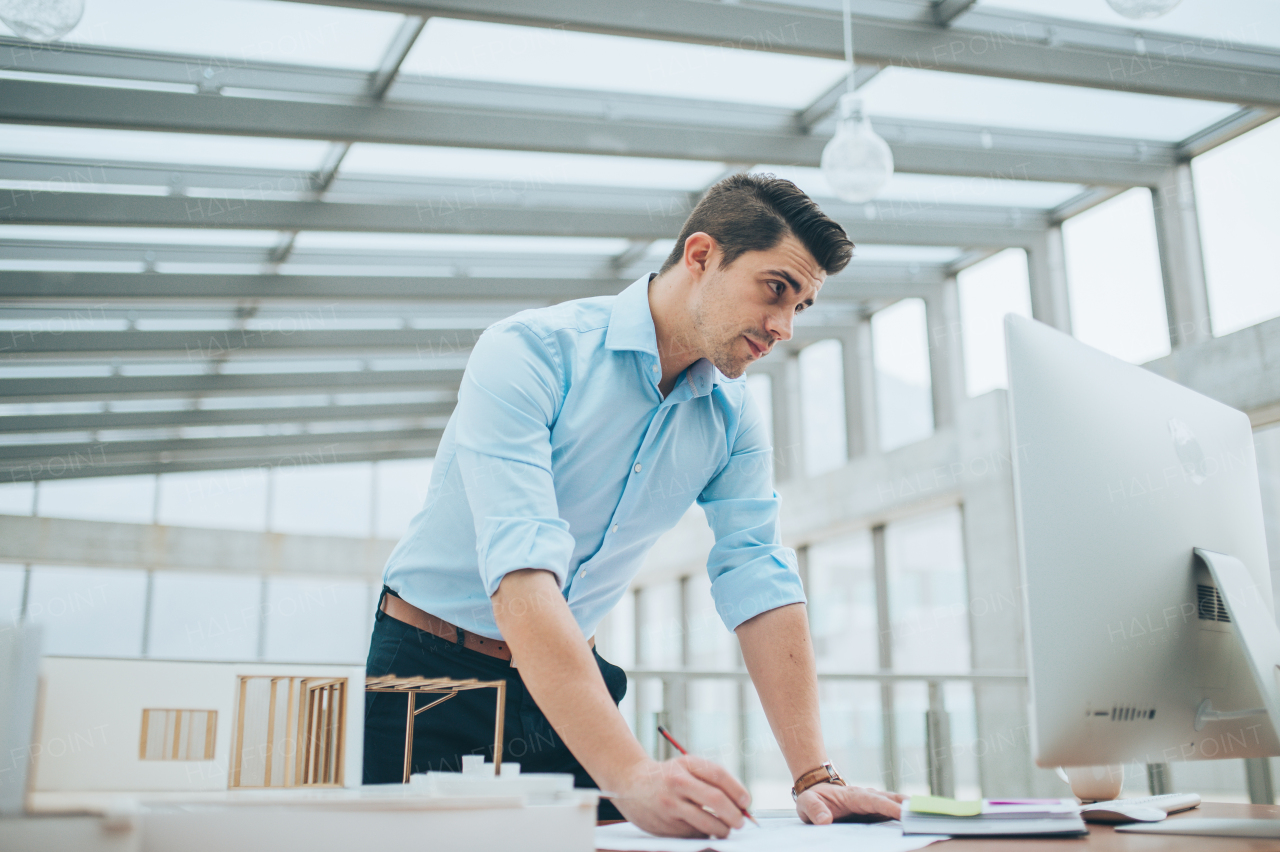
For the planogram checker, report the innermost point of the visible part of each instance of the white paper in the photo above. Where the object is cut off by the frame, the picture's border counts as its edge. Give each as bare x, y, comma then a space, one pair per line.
774, 835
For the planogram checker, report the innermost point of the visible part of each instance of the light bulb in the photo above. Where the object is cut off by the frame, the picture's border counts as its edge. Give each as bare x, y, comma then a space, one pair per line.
1142, 8
856, 162
41, 20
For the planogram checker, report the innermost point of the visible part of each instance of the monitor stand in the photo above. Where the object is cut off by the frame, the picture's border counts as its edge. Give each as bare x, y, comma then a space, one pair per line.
1256, 629
1260, 641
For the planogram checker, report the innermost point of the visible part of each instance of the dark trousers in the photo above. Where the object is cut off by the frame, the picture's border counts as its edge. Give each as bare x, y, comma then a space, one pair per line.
464, 724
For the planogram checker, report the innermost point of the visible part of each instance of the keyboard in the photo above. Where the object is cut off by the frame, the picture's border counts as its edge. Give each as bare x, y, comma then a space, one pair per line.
1209, 827
1146, 809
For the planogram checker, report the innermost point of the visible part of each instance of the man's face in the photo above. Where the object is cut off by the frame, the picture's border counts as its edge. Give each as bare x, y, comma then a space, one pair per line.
742, 311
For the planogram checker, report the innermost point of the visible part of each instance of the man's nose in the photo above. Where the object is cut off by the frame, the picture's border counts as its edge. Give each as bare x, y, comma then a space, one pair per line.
779, 325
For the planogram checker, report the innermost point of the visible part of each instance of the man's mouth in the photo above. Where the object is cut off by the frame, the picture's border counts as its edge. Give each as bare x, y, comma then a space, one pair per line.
757, 351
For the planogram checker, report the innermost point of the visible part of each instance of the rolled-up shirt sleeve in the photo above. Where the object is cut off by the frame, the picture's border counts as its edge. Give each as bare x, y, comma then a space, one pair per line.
510, 394
751, 572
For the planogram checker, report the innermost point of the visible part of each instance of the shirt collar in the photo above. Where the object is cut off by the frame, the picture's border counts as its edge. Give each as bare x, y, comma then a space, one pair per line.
631, 328
631, 322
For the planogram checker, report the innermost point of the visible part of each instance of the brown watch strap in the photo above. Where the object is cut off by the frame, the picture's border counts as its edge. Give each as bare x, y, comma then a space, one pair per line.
824, 774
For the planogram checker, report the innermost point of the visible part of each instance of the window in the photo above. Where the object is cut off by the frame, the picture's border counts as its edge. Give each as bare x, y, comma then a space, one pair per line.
1114, 277
823, 410
987, 291
904, 393
928, 593
178, 734
1236, 190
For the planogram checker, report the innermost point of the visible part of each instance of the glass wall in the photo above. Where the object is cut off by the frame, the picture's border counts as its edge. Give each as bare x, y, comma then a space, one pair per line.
130, 612
926, 590
904, 396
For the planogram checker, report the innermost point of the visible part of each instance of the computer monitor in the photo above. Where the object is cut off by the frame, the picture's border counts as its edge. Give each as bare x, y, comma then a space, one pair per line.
1151, 633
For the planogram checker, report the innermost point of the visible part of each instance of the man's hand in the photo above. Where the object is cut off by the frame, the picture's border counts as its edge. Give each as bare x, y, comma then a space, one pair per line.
823, 803
685, 797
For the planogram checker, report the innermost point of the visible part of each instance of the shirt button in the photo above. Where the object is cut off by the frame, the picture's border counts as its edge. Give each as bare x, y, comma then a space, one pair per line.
654, 368
637, 467
615, 528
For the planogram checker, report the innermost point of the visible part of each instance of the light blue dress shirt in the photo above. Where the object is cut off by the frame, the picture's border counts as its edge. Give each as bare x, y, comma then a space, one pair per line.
563, 455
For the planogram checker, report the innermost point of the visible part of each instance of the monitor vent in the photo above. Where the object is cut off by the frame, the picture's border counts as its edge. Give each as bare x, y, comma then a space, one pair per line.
1131, 714
1212, 607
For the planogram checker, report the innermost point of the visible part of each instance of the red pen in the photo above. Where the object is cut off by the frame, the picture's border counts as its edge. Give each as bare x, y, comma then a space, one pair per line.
681, 749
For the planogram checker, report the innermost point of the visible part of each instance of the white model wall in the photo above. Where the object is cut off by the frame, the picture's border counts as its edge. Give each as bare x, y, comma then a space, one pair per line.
91, 721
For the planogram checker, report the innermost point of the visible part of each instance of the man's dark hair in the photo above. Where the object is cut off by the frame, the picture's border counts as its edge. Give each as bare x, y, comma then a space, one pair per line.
747, 212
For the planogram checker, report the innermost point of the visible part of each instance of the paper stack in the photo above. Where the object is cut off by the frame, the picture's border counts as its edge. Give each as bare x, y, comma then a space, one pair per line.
1003, 817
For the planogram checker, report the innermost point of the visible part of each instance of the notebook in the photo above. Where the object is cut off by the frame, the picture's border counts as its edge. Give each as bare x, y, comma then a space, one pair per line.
991, 817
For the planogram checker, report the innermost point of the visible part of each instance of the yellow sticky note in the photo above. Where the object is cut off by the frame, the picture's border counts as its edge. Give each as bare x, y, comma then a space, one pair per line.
947, 807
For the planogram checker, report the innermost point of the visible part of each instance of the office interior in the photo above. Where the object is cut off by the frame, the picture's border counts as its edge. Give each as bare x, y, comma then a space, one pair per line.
246, 246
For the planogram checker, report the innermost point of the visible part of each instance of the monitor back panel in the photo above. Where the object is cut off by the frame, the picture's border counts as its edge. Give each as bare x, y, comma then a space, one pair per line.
1118, 475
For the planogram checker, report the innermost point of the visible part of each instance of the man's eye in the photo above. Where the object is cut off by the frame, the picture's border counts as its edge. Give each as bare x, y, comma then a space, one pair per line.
800, 308
777, 287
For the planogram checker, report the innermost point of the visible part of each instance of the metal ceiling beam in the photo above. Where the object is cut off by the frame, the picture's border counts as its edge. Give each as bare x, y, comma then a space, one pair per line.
124, 450
152, 286
441, 215
918, 146
437, 263
319, 454
1224, 131
108, 388
116, 420
946, 11
884, 221
991, 43
96, 458
862, 281
199, 346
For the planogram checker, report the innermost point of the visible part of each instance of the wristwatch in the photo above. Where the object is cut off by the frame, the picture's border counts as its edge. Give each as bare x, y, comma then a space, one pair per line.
824, 774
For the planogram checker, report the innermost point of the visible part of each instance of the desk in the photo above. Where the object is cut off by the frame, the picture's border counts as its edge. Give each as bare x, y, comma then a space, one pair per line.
1103, 838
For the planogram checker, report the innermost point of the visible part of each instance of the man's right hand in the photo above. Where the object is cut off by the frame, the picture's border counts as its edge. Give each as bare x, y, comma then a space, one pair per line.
684, 797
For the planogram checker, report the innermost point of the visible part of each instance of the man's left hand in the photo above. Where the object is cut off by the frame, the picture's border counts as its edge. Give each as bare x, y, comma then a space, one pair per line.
823, 803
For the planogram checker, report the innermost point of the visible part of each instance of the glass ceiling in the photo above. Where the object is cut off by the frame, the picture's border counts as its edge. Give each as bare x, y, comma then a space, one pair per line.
245, 31
988, 101
942, 189
1229, 22
171, 236
85, 143
339, 40
458, 242
528, 168
475, 50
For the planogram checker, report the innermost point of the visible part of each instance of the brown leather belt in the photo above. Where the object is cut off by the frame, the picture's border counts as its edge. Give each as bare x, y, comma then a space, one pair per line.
402, 610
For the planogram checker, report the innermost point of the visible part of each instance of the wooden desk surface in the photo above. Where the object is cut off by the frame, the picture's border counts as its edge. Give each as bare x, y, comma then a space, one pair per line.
1103, 838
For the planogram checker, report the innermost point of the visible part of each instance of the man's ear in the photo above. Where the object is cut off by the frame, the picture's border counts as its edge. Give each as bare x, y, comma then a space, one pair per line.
699, 251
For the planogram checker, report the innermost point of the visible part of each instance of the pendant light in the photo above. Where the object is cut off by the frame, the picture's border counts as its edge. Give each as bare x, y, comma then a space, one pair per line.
1142, 8
856, 162
41, 20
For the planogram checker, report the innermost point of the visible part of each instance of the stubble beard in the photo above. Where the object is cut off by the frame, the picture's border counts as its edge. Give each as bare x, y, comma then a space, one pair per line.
720, 342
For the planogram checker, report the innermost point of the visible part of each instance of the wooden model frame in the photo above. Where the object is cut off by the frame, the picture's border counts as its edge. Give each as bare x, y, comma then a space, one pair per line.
415, 686
315, 721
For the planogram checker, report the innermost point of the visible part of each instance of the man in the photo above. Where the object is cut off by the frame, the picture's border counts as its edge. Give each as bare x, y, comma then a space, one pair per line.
582, 432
